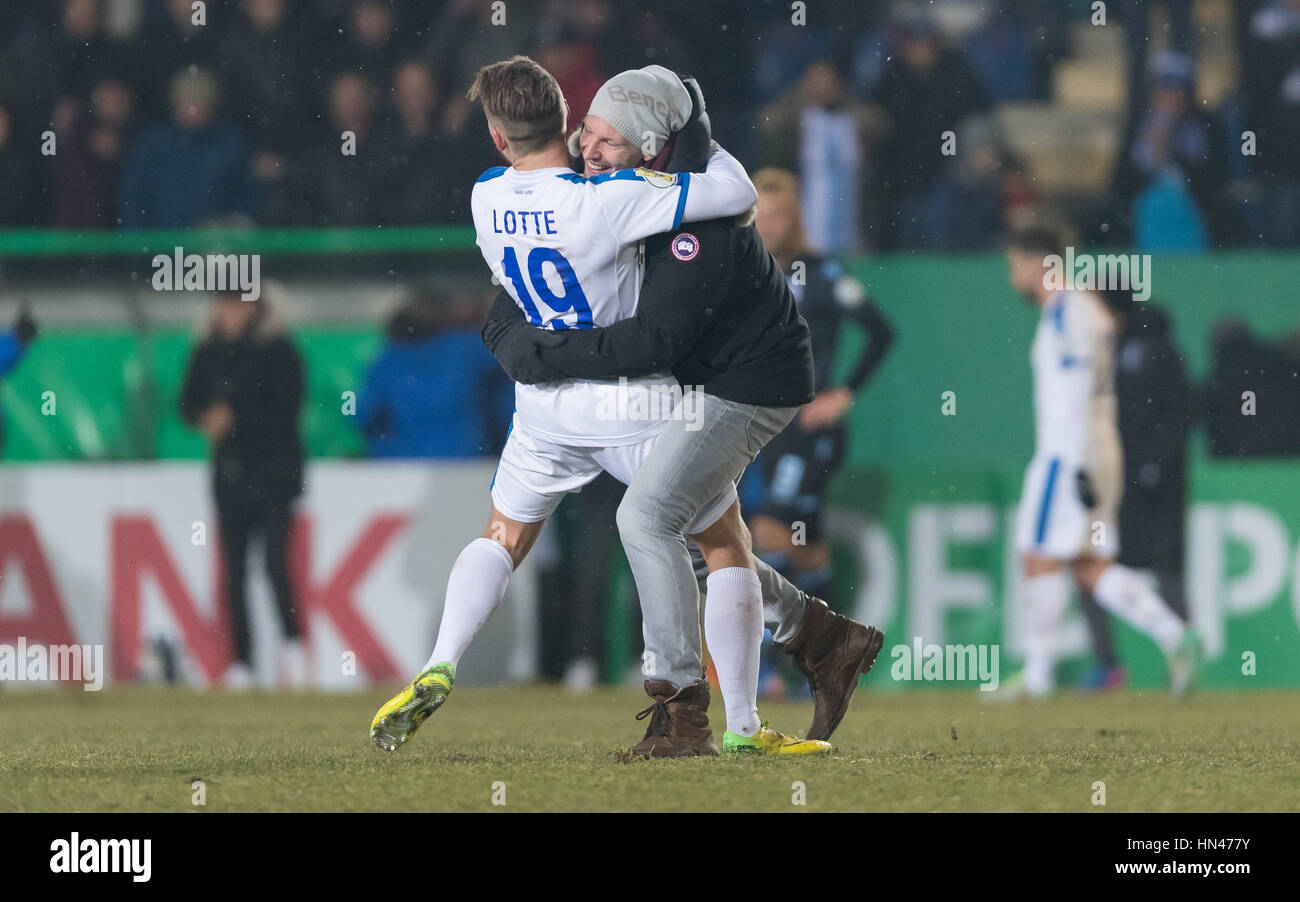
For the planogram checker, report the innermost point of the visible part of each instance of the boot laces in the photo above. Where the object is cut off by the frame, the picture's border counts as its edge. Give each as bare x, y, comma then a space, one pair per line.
660, 719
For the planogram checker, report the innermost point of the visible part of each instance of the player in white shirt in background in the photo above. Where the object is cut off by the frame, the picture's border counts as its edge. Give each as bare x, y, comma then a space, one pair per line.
1067, 523
565, 248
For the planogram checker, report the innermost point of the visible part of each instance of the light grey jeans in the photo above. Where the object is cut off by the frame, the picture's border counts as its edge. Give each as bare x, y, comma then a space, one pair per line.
687, 468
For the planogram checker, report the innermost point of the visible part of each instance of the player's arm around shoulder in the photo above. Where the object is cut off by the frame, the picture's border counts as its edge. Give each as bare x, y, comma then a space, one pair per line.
723, 189
639, 203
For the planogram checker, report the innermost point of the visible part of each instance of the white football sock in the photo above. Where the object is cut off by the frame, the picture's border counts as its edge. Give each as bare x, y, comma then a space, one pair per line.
474, 589
1126, 594
733, 629
1045, 599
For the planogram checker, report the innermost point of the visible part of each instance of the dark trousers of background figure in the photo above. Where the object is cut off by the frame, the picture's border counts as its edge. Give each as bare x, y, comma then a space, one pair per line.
243, 516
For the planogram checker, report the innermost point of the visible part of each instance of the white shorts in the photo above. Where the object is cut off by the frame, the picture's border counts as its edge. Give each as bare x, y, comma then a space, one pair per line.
1052, 520
536, 472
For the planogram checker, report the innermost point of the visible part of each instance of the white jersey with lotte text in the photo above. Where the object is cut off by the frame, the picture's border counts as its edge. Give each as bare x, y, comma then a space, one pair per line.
566, 249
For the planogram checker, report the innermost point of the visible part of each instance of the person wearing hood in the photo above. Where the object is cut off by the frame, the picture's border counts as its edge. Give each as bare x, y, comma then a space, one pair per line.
243, 390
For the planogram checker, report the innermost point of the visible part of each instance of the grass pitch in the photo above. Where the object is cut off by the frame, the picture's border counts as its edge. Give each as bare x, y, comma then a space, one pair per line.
141, 750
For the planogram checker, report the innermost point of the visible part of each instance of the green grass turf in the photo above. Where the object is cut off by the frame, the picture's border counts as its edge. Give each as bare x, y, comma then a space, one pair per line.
139, 750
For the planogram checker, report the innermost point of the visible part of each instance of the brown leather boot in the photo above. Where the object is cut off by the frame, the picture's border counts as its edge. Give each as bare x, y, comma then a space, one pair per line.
679, 722
832, 651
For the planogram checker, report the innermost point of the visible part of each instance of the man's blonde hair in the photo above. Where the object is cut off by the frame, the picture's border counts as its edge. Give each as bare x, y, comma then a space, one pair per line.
523, 100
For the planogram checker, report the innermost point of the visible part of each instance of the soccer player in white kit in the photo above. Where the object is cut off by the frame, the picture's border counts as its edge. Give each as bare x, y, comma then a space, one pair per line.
566, 248
1067, 522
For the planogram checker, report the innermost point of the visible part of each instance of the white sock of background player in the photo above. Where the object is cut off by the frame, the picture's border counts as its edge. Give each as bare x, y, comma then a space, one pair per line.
1046, 597
733, 629
1128, 596
475, 588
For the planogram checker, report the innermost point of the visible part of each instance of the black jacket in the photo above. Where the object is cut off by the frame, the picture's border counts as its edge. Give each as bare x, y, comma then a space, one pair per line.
1154, 410
827, 297
714, 309
260, 376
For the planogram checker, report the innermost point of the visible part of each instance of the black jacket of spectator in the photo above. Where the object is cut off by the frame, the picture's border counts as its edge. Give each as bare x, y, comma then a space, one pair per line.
1155, 409
260, 375
423, 178
922, 106
339, 189
1270, 63
1270, 372
86, 177
266, 82
22, 194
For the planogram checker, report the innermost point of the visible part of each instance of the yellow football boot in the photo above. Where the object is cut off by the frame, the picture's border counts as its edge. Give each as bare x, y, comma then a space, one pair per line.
768, 741
402, 714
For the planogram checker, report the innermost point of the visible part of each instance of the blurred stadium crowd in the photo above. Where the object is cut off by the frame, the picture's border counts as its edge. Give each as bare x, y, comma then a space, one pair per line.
162, 122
